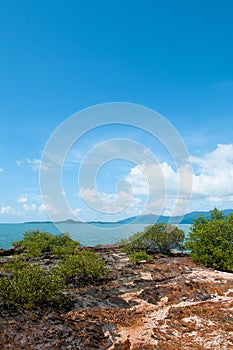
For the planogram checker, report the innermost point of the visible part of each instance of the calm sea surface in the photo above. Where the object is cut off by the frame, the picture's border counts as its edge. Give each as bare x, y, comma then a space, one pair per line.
86, 234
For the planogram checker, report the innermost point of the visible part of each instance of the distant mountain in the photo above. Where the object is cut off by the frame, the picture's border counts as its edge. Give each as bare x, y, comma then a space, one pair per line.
186, 219
68, 221
37, 222
144, 219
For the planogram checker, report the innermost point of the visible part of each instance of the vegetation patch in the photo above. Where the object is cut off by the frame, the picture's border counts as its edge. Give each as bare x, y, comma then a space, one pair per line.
25, 286
83, 264
35, 243
137, 257
210, 241
157, 238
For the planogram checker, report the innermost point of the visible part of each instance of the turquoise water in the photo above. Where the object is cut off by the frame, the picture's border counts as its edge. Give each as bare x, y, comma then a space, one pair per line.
86, 234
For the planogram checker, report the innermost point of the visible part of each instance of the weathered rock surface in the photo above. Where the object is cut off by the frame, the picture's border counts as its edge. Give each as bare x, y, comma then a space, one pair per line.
169, 304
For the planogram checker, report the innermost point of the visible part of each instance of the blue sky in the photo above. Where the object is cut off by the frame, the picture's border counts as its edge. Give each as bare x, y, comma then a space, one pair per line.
58, 57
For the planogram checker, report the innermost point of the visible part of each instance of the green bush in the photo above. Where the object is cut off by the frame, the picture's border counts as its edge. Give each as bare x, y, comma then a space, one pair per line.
136, 257
35, 243
210, 241
158, 237
130, 239
25, 286
83, 264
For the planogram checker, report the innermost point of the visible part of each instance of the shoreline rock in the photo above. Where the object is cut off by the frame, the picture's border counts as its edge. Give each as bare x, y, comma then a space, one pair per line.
170, 303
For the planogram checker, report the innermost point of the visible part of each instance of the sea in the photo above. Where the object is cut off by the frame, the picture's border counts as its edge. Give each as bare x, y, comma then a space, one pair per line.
86, 234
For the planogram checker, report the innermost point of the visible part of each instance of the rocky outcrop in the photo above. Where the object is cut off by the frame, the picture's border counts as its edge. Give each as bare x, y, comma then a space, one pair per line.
168, 304
11, 251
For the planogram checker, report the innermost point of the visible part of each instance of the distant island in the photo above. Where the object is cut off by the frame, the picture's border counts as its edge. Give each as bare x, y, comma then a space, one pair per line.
68, 221
142, 219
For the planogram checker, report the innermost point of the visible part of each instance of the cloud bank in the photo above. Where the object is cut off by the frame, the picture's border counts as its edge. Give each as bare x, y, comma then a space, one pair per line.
154, 186
212, 184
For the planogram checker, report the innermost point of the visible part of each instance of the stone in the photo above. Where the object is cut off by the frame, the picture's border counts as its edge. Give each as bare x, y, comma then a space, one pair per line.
169, 303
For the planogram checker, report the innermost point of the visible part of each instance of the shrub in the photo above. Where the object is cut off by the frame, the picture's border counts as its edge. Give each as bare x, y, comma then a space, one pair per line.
136, 257
36, 242
130, 239
24, 286
83, 264
210, 241
159, 237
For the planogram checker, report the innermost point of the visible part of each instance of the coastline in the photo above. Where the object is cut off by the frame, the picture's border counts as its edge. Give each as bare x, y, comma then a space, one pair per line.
87, 235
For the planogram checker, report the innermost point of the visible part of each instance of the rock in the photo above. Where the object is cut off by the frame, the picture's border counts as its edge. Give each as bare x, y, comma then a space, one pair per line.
7, 252
169, 303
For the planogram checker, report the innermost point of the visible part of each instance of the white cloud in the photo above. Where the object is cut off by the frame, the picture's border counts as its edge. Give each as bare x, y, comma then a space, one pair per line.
30, 207
212, 183
151, 179
1, 170
222, 199
22, 199
76, 211
154, 188
19, 162
213, 177
35, 164
46, 207
7, 210
109, 203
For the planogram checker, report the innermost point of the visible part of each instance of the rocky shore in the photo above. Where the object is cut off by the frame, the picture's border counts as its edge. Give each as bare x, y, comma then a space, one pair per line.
168, 304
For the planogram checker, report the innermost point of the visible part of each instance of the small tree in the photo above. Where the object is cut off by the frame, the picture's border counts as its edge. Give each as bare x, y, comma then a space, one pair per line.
159, 237
210, 241
35, 243
26, 286
83, 264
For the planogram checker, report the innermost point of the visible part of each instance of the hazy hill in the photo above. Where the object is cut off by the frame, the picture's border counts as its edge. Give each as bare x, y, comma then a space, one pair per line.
146, 219
186, 219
